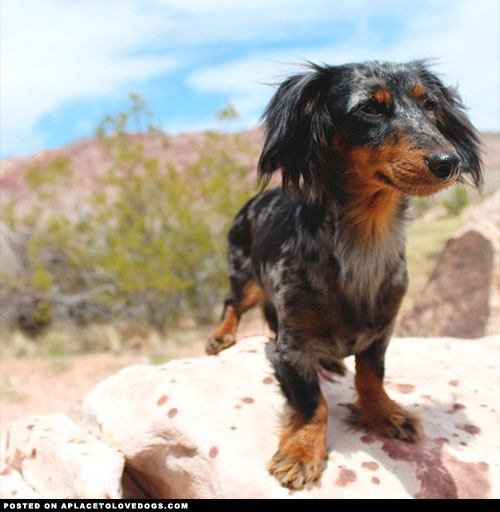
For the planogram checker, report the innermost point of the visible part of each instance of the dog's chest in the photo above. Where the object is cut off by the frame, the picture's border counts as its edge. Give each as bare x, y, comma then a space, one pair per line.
359, 273
360, 294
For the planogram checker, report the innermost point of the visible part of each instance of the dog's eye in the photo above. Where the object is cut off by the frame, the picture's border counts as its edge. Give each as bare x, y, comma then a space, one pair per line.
429, 104
373, 108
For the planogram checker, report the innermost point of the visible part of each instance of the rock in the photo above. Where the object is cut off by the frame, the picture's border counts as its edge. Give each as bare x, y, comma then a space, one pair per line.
462, 296
52, 457
484, 218
206, 428
455, 300
13, 486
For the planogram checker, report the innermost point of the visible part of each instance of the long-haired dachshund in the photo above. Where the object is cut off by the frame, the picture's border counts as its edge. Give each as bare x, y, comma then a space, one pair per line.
325, 254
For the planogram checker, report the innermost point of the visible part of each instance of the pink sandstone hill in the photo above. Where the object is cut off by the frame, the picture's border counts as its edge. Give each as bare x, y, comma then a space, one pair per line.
90, 158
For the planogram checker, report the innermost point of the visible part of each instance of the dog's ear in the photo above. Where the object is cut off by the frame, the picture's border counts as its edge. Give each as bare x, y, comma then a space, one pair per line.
299, 131
455, 125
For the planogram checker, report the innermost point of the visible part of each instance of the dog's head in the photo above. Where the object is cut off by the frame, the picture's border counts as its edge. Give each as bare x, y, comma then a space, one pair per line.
393, 126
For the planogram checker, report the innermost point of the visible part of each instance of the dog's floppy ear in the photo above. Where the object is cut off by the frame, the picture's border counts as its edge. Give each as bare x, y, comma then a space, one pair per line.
299, 130
457, 128
454, 124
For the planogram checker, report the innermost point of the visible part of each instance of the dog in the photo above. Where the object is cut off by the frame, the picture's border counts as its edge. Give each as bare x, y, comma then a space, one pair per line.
324, 255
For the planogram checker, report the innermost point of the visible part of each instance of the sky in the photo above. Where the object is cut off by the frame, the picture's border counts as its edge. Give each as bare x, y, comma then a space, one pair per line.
65, 64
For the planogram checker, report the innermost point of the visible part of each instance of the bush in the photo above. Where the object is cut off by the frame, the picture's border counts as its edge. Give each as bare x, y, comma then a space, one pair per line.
152, 246
457, 201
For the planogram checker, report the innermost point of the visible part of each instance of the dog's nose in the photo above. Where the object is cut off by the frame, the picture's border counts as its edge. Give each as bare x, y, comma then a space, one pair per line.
444, 164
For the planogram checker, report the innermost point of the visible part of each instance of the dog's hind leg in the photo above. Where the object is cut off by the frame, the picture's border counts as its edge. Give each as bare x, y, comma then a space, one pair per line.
240, 299
245, 293
302, 448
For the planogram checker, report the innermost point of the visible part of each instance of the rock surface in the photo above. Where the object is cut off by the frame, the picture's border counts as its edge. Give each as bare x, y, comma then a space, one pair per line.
13, 485
462, 296
51, 457
205, 428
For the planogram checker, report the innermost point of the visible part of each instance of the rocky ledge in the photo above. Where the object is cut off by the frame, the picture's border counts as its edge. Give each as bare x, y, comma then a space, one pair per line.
206, 428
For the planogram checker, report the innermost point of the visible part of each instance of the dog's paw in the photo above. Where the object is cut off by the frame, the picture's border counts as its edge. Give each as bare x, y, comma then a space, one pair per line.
396, 423
294, 473
402, 424
216, 344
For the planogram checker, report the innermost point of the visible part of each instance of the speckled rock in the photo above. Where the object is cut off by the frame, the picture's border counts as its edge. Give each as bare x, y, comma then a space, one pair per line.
51, 457
13, 485
205, 428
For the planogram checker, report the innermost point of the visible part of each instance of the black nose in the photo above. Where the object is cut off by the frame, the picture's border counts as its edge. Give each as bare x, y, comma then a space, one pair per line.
444, 164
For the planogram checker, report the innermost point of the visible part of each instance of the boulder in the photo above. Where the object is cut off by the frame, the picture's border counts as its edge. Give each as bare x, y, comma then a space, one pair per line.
205, 428
462, 296
13, 485
485, 219
455, 300
51, 457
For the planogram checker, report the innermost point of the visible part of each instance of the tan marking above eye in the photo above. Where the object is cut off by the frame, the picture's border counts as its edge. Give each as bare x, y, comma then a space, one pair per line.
383, 96
419, 92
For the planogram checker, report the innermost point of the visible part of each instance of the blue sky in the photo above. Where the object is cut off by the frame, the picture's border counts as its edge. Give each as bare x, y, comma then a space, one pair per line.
64, 64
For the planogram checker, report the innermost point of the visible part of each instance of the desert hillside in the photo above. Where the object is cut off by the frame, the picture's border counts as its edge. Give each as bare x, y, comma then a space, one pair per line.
90, 158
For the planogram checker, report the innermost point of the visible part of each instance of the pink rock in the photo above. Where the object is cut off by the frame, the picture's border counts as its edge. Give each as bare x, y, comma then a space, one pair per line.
226, 425
13, 485
57, 459
462, 296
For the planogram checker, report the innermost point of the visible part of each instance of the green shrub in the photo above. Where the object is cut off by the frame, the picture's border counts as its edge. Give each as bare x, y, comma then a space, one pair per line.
152, 249
421, 204
457, 201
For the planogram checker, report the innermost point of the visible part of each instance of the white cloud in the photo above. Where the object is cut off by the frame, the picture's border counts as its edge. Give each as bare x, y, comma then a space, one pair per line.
462, 35
204, 21
54, 51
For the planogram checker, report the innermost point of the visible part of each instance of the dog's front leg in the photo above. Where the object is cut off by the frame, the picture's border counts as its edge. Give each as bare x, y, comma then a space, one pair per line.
300, 458
378, 412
